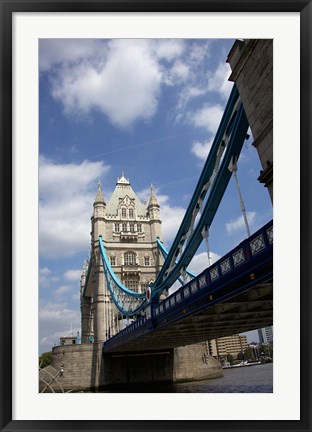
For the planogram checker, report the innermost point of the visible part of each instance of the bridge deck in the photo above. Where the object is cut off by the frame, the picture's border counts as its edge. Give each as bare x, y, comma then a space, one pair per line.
232, 296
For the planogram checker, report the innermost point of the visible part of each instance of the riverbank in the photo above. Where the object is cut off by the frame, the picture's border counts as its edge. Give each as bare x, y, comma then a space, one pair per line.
242, 364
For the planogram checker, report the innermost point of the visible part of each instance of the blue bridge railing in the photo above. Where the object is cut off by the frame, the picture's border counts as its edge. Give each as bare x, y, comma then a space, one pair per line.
249, 263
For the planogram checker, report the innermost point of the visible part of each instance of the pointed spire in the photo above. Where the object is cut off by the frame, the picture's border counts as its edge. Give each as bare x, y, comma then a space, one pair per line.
99, 196
153, 199
122, 180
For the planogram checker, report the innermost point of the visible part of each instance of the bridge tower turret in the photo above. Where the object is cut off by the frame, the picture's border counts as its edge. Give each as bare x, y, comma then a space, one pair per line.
100, 295
98, 220
153, 210
86, 308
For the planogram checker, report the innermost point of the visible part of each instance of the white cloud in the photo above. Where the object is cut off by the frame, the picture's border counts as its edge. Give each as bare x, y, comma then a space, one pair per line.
239, 223
46, 277
123, 78
208, 117
201, 150
63, 289
55, 51
179, 73
169, 49
65, 205
56, 320
190, 92
172, 217
125, 88
200, 262
199, 51
73, 275
45, 271
218, 82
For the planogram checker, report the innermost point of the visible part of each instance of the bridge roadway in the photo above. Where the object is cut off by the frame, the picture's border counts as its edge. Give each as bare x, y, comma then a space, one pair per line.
232, 296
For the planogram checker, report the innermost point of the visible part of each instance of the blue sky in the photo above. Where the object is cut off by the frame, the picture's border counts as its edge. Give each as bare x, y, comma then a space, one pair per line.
149, 108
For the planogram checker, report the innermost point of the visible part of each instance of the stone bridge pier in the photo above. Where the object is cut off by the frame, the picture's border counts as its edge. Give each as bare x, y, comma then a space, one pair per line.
87, 367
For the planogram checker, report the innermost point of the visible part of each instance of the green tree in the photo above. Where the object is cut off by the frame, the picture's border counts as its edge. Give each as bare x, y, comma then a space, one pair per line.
248, 353
45, 359
266, 350
229, 358
241, 356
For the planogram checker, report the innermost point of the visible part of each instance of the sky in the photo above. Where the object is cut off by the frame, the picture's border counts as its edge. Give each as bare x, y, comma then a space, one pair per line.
146, 107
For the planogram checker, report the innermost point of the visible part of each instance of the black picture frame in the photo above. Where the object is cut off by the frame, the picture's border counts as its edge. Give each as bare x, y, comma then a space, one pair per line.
8, 7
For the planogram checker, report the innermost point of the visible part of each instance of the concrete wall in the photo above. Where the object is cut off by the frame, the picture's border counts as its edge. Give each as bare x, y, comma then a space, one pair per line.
191, 363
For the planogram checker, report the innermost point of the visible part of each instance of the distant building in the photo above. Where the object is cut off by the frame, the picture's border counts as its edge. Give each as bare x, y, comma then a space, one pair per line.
266, 335
68, 340
227, 345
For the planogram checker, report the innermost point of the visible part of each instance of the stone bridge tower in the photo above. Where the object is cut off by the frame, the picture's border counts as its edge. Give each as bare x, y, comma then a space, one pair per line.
251, 61
129, 230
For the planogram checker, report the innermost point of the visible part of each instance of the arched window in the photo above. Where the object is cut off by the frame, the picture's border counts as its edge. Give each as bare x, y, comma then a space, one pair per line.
130, 258
123, 213
124, 227
116, 227
131, 227
131, 213
139, 227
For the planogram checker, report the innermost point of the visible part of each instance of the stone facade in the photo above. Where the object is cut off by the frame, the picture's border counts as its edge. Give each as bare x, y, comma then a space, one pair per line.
129, 230
193, 363
251, 61
81, 366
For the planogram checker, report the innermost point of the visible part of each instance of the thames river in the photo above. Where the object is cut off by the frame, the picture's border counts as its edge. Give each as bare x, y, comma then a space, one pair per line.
248, 379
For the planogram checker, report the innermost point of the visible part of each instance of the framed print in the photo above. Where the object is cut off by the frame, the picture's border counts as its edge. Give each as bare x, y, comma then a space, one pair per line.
164, 96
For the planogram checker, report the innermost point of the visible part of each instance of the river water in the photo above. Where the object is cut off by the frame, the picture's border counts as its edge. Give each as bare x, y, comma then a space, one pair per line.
248, 379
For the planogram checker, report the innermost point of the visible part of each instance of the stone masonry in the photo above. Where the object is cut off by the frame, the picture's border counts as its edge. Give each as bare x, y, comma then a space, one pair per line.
129, 230
251, 61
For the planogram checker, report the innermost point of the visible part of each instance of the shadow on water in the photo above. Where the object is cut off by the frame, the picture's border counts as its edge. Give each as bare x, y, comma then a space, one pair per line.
251, 379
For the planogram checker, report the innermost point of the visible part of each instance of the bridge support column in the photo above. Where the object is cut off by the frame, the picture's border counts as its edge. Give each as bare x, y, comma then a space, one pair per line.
193, 363
99, 300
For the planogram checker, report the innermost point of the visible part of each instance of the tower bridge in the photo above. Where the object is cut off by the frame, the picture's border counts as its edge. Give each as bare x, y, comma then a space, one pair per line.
128, 274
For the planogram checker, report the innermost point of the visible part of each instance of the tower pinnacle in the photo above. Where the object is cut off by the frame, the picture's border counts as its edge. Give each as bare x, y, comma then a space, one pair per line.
122, 180
153, 200
99, 196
